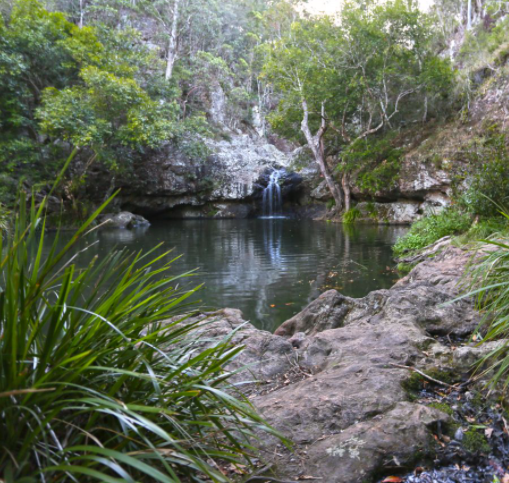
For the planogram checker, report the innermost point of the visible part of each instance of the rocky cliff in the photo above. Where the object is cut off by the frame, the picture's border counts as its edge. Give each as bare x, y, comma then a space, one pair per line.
229, 183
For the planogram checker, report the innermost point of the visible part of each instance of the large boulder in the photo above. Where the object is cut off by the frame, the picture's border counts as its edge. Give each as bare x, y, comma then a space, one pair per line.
123, 220
333, 378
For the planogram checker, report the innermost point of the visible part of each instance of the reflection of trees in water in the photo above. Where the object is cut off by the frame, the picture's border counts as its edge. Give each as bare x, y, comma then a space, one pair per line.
253, 264
123, 237
361, 260
272, 245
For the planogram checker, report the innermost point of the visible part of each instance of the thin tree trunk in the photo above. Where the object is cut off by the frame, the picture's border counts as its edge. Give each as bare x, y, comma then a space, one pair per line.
345, 182
110, 190
316, 145
469, 15
82, 14
172, 44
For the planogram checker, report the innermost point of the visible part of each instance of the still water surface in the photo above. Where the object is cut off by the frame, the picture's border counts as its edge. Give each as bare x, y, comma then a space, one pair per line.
270, 269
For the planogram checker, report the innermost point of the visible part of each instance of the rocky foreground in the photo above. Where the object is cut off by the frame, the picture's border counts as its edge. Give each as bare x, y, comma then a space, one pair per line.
337, 378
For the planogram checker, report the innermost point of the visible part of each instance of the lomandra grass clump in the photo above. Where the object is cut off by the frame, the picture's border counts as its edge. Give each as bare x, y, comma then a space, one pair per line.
93, 386
488, 284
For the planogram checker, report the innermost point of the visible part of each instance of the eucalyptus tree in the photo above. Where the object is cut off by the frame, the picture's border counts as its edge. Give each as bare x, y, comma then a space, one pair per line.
342, 82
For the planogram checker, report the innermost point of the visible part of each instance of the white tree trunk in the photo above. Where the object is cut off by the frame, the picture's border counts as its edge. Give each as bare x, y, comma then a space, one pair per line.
171, 56
345, 182
316, 145
469, 15
82, 14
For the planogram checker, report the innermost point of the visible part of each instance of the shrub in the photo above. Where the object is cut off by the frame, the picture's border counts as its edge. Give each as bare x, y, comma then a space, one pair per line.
351, 215
376, 163
93, 386
489, 181
484, 229
431, 228
488, 282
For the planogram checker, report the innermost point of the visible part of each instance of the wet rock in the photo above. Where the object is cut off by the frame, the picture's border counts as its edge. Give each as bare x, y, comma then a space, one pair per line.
123, 220
232, 210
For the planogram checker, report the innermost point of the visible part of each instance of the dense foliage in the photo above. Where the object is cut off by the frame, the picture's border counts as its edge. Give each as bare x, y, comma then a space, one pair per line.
96, 75
431, 228
94, 385
487, 180
63, 85
488, 283
375, 162
342, 82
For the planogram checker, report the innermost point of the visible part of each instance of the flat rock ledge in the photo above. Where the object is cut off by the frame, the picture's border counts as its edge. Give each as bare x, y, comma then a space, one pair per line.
330, 379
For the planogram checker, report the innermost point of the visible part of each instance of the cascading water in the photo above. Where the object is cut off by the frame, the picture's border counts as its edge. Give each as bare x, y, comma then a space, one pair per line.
272, 196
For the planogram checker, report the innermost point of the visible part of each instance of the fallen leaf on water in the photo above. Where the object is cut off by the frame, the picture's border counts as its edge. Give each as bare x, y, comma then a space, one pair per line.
289, 303
272, 306
393, 479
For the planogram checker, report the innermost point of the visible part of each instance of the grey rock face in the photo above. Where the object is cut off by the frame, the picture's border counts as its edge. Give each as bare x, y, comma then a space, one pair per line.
234, 173
321, 192
402, 212
418, 179
331, 377
236, 166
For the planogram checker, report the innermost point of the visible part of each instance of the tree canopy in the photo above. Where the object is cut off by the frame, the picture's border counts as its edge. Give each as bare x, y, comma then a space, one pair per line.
342, 82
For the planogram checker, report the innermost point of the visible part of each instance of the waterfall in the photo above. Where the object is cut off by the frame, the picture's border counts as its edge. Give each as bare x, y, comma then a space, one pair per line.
272, 196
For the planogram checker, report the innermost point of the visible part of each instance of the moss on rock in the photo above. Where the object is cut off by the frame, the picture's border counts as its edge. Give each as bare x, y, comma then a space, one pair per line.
475, 442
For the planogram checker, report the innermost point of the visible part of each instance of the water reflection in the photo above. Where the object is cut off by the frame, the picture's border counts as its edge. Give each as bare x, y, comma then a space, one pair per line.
270, 269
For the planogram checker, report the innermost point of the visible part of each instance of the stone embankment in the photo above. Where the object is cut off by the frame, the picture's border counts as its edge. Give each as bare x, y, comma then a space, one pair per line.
336, 378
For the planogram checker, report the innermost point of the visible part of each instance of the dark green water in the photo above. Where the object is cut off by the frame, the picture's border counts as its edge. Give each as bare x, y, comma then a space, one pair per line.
270, 269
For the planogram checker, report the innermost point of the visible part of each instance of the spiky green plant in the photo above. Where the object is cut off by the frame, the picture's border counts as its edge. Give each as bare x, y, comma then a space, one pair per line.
93, 386
487, 283
4, 218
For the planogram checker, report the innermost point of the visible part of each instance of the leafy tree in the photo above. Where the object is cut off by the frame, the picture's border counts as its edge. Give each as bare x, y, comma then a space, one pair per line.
103, 112
88, 86
340, 83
